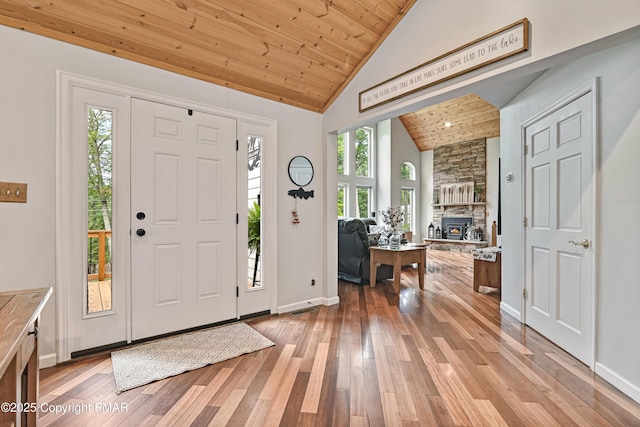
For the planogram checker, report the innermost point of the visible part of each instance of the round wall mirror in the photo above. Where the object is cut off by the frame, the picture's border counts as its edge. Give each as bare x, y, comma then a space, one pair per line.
300, 171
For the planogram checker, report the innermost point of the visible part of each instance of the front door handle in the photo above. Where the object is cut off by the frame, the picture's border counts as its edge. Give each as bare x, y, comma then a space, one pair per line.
585, 243
140, 232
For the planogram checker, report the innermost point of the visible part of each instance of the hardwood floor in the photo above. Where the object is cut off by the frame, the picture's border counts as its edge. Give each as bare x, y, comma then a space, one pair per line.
443, 356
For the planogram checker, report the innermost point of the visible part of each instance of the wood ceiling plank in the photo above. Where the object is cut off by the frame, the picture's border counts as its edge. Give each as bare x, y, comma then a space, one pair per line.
295, 23
255, 83
320, 50
379, 9
233, 57
220, 23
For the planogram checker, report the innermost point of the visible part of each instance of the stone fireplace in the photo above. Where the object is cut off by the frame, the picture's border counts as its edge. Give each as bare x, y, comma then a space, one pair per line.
459, 164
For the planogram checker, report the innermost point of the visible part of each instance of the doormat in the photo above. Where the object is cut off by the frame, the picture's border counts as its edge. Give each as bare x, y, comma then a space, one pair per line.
166, 357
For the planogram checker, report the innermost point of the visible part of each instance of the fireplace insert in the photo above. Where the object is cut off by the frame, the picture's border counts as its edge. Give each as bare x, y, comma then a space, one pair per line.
455, 227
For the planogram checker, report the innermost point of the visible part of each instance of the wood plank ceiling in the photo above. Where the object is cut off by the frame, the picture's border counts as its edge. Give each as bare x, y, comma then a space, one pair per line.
469, 117
299, 52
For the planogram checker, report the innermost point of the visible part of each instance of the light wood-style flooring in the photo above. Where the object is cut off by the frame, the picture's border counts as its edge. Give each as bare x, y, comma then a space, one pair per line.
442, 356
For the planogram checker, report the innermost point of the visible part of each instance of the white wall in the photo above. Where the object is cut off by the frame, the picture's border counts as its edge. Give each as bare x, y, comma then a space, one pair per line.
618, 202
28, 154
403, 149
432, 28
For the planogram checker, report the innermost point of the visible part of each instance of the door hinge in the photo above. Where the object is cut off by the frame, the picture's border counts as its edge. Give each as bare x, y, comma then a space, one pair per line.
237, 145
237, 291
237, 219
524, 221
524, 293
526, 149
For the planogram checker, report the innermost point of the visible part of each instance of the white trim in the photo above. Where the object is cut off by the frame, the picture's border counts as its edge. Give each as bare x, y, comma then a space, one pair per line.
301, 305
618, 381
591, 87
47, 360
510, 311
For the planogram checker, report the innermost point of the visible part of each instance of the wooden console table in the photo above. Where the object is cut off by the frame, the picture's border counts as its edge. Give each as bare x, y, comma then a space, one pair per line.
397, 258
19, 319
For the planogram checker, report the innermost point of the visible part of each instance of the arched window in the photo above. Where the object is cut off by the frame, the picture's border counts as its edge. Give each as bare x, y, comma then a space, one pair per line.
408, 171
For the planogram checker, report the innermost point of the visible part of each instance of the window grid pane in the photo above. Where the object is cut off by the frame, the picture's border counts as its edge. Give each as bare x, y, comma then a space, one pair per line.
364, 201
406, 202
342, 200
363, 152
343, 154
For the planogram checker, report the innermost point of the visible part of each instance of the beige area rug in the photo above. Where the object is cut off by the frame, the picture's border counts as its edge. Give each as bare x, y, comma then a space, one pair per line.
156, 360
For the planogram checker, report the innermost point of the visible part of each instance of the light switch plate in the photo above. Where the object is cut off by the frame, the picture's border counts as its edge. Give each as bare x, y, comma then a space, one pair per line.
13, 192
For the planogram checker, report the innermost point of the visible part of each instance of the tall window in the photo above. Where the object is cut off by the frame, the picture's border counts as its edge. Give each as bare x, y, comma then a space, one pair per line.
99, 218
254, 186
407, 205
356, 170
364, 202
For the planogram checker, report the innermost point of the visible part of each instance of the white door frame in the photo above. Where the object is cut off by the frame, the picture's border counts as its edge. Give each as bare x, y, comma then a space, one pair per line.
593, 88
64, 83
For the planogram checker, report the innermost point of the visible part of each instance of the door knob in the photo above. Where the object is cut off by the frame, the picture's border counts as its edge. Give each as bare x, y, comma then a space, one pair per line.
140, 215
140, 232
585, 243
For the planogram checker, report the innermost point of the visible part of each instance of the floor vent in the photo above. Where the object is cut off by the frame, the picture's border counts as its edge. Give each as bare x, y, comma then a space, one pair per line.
304, 310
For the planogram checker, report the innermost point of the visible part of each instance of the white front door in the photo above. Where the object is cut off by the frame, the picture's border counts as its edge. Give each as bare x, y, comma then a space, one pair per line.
183, 219
559, 212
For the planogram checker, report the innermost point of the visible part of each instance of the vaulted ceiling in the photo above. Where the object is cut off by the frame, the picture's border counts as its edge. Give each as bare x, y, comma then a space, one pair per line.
461, 119
299, 52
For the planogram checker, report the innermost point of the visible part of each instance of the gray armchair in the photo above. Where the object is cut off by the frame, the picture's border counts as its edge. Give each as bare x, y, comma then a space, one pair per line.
353, 253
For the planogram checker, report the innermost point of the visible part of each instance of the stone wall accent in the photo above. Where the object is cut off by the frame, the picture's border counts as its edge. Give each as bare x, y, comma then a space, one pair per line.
461, 162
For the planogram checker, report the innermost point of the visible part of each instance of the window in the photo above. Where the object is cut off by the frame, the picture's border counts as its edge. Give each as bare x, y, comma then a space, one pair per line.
343, 158
407, 204
408, 171
364, 201
342, 200
254, 187
363, 152
355, 152
99, 215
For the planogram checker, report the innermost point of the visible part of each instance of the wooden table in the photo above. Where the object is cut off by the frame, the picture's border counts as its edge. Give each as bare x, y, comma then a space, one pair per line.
19, 321
397, 258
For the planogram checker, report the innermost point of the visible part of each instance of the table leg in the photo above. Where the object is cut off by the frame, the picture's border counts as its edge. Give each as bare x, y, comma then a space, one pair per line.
397, 268
373, 270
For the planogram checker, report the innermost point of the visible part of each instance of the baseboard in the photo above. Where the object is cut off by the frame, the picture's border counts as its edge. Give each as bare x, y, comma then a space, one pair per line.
631, 390
307, 304
47, 360
510, 311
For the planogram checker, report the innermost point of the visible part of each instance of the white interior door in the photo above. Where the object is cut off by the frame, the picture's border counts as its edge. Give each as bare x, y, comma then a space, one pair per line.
183, 219
559, 210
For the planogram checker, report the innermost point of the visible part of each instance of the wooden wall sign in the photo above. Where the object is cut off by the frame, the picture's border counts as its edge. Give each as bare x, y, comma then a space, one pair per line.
494, 47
